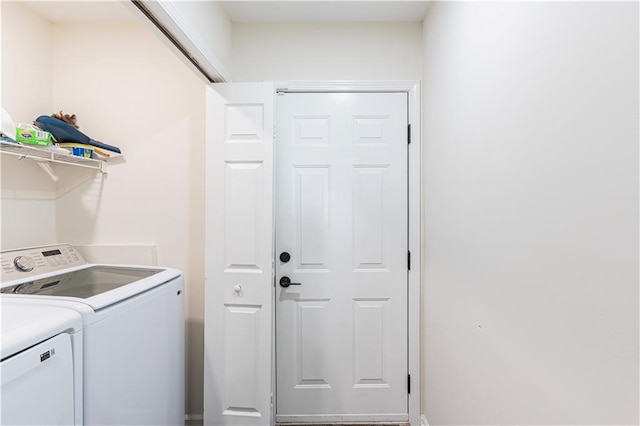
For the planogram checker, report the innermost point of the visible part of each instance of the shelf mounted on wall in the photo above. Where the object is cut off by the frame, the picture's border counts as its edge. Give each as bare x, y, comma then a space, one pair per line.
44, 158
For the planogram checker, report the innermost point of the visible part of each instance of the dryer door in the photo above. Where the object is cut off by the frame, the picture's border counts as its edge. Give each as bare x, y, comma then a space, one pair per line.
37, 385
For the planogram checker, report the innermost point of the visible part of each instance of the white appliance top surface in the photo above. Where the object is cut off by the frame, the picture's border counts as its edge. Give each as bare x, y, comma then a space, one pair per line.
24, 325
59, 272
82, 283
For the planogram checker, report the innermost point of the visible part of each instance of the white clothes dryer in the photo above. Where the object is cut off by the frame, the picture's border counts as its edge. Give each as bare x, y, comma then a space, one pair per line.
133, 330
41, 366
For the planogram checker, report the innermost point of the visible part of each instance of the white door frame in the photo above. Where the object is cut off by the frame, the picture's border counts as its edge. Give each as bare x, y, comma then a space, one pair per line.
412, 88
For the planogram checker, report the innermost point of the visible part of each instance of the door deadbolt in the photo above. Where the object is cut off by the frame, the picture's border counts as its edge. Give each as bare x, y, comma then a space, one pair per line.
285, 257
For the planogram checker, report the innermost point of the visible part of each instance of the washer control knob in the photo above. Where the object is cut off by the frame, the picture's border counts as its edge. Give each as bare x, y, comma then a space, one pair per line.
24, 263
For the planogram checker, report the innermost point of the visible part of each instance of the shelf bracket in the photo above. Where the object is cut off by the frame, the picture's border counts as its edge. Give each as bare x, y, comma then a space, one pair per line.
46, 167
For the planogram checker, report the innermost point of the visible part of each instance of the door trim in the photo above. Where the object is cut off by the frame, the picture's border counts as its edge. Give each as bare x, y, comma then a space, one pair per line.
412, 88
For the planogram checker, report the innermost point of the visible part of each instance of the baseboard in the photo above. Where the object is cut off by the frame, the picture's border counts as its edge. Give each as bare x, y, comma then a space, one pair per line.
423, 420
193, 420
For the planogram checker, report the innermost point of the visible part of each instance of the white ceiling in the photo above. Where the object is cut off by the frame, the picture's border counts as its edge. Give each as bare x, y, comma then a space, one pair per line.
247, 11
325, 11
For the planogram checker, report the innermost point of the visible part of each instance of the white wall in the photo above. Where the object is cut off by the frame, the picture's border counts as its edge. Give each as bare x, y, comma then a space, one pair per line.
212, 29
128, 90
26, 62
531, 214
326, 51
28, 209
203, 28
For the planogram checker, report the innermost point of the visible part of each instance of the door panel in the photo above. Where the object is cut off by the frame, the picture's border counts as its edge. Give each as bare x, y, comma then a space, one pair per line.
312, 205
241, 352
243, 185
239, 254
369, 248
341, 212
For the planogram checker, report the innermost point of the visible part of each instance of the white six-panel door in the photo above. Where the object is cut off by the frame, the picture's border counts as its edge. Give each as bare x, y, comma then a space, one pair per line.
341, 215
239, 255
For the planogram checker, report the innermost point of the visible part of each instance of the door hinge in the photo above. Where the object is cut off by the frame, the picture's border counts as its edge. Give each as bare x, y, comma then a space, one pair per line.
409, 260
409, 134
408, 383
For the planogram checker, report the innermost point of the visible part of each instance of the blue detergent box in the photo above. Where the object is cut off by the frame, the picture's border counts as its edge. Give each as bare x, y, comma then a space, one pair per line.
82, 152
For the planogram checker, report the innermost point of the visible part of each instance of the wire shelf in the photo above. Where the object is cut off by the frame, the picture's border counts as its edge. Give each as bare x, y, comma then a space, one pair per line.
40, 154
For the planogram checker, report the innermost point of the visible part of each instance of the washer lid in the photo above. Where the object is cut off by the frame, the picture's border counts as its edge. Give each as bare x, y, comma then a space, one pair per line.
82, 283
24, 325
98, 286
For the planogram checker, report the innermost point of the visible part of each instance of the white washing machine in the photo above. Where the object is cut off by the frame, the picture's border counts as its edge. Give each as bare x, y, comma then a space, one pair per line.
133, 330
41, 367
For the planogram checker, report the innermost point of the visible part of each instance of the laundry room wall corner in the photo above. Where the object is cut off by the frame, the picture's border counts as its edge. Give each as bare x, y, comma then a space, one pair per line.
124, 92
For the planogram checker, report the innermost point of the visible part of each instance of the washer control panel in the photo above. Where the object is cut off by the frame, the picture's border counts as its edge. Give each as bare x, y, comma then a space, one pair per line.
25, 263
